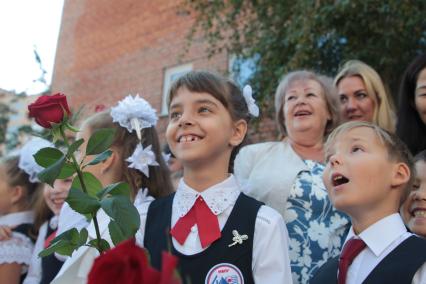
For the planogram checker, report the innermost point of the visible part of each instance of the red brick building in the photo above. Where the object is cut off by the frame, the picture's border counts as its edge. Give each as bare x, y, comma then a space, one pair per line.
108, 49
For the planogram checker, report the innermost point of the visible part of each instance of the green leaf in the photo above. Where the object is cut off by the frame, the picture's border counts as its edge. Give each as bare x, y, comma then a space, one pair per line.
100, 141
83, 237
63, 244
93, 185
120, 188
48, 156
123, 212
50, 174
74, 147
66, 171
117, 235
103, 246
82, 202
99, 158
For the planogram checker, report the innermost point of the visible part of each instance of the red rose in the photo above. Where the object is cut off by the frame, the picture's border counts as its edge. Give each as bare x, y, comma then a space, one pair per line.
49, 109
128, 263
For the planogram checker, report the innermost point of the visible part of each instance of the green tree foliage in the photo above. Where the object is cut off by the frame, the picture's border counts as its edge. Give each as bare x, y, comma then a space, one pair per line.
319, 35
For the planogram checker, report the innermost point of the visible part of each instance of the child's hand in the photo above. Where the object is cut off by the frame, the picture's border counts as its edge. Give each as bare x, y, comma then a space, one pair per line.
5, 233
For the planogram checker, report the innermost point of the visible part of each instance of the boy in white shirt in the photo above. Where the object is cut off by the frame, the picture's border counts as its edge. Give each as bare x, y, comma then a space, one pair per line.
368, 175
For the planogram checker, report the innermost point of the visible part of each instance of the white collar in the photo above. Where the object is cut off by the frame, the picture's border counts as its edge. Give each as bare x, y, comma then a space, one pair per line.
141, 197
381, 234
217, 197
15, 219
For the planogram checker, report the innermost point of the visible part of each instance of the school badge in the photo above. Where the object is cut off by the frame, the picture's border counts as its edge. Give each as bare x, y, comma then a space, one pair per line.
224, 273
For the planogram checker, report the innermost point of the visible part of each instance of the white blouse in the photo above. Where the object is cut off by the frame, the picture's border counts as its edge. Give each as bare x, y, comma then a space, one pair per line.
270, 262
19, 247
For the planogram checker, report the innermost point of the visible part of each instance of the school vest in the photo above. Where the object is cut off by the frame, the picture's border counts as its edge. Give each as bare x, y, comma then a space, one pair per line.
50, 265
399, 266
25, 229
219, 262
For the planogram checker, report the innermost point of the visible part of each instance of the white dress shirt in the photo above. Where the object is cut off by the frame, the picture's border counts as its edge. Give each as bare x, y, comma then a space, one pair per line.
270, 263
381, 238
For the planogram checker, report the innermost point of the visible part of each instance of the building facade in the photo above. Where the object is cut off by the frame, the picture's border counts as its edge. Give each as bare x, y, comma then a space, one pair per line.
108, 49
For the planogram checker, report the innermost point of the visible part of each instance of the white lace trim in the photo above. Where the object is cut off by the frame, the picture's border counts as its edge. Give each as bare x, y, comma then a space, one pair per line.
218, 197
18, 249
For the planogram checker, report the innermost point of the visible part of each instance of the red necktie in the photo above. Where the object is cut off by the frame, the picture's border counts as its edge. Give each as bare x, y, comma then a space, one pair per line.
200, 214
351, 249
49, 239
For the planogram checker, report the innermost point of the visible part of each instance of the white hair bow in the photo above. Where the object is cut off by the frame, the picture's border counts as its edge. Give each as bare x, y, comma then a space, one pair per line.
251, 103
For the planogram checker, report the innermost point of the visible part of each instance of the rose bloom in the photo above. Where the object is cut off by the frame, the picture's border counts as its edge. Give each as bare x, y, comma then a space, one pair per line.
49, 109
127, 263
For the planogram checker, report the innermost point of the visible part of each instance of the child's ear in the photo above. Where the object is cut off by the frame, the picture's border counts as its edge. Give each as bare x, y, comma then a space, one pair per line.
17, 192
108, 163
240, 130
401, 174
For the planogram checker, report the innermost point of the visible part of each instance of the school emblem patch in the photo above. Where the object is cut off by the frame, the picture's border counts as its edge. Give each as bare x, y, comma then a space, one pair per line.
224, 273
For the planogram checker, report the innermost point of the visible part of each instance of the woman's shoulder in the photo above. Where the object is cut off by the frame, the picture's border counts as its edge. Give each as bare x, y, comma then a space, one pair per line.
262, 147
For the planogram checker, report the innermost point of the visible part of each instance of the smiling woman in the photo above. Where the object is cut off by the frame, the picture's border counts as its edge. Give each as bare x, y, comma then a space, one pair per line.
287, 175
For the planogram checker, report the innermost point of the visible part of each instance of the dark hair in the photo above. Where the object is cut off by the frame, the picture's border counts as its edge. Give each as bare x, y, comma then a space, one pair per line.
222, 89
410, 128
158, 183
18, 177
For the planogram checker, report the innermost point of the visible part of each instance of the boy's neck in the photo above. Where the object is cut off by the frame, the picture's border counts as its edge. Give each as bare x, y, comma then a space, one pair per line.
362, 221
202, 179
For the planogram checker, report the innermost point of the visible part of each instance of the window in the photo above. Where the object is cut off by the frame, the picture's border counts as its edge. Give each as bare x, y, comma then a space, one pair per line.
170, 76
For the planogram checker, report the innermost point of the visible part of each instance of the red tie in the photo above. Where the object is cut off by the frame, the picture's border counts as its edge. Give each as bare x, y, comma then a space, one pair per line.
200, 214
49, 239
351, 249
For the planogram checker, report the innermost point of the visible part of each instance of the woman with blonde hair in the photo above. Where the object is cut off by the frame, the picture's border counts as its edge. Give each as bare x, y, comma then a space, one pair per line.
362, 95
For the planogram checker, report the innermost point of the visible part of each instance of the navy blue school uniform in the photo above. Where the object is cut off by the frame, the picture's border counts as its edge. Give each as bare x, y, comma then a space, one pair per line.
252, 248
392, 255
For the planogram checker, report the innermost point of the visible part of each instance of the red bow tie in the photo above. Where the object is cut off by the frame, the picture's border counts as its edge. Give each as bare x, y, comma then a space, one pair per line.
200, 214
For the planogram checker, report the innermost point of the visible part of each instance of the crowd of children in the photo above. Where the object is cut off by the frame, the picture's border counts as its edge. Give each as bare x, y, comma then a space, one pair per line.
206, 217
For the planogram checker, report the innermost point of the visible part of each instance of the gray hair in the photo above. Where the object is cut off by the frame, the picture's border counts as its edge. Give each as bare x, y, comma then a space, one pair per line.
329, 90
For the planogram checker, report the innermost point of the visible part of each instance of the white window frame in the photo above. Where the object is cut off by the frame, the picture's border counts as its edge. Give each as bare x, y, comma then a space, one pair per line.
170, 75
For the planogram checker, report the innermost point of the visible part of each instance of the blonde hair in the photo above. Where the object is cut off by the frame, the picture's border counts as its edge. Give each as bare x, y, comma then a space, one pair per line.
328, 89
396, 149
384, 111
158, 183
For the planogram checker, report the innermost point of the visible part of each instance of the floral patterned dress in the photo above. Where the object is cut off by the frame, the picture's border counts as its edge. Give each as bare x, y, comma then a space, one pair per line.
316, 229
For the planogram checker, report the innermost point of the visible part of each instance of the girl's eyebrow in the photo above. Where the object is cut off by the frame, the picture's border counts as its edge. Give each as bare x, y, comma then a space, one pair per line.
198, 102
205, 101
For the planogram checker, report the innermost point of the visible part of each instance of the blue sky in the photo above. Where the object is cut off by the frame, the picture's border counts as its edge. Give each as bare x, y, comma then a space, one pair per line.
25, 24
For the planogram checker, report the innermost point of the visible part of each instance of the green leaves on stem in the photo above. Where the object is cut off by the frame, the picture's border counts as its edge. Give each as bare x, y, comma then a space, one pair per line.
66, 242
87, 195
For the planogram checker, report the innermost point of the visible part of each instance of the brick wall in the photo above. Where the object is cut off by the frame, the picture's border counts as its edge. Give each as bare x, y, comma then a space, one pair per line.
108, 49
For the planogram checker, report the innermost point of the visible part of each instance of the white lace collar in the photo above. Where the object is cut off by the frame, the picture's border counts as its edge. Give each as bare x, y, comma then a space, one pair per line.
15, 219
218, 197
